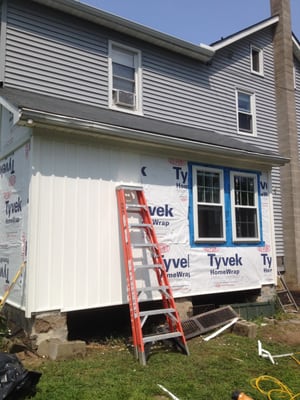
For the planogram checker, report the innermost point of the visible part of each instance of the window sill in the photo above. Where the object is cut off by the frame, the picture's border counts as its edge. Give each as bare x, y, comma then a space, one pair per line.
127, 111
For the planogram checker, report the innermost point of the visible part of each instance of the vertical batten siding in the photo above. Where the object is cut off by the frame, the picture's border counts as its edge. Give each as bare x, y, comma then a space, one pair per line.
74, 252
47, 53
297, 98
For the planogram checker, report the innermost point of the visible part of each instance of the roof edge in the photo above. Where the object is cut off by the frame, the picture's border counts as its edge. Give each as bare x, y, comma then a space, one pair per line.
244, 33
296, 47
200, 52
38, 118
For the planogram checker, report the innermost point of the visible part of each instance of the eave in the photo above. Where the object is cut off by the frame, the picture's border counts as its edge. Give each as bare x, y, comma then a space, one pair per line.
244, 33
37, 119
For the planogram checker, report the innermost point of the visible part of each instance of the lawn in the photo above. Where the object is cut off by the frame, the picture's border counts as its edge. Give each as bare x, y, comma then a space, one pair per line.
213, 370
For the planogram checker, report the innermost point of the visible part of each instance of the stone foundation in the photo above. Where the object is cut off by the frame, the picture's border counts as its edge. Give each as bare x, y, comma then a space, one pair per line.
50, 325
267, 293
185, 308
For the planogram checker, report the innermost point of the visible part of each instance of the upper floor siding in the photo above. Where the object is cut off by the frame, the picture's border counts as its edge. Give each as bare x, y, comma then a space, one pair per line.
52, 53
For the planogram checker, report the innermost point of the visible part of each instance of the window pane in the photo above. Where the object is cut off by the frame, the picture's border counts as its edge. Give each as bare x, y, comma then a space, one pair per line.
244, 101
245, 122
210, 221
244, 191
123, 84
246, 222
123, 71
123, 56
255, 60
208, 187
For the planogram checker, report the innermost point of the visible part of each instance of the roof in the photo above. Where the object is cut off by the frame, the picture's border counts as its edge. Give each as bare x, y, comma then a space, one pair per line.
41, 110
253, 29
199, 52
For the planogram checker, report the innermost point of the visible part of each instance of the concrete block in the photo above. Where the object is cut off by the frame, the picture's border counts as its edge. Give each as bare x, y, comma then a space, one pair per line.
56, 349
245, 328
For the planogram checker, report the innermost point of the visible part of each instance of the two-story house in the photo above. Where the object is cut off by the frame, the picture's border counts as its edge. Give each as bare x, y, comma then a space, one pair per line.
90, 101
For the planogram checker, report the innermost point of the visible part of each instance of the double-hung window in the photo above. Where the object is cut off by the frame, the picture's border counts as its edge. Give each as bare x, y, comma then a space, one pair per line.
208, 192
125, 78
246, 112
244, 205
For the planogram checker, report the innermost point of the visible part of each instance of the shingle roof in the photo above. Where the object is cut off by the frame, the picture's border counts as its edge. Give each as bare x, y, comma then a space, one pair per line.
37, 105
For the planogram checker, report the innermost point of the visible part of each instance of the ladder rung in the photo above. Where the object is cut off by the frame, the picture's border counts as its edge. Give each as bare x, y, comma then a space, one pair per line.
137, 226
130, 188
161, 336
135, 207
152, 288
144, 245
157, 312
148, 266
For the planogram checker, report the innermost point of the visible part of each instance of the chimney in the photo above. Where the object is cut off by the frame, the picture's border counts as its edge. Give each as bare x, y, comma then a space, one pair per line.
287, 139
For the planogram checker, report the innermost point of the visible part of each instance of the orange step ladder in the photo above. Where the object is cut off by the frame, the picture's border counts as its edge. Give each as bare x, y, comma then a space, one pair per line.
147, 279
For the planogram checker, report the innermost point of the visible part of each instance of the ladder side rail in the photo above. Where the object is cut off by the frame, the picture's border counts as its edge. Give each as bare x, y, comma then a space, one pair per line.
289, 295
162, 277
129, 269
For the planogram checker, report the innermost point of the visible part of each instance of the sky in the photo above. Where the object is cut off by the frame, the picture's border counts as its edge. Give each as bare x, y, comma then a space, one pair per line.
195, 21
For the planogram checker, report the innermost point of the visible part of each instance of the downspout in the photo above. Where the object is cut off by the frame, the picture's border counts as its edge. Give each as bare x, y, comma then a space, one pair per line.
3, 40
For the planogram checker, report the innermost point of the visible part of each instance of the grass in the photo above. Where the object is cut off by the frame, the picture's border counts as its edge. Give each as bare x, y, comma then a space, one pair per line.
213, 370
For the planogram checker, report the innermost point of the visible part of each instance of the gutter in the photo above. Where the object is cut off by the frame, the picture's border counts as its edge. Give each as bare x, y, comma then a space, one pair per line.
33, 118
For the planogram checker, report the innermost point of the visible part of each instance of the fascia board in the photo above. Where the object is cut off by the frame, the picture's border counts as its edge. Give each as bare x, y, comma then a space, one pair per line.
33, 118
244, 33
201, 52
296, 47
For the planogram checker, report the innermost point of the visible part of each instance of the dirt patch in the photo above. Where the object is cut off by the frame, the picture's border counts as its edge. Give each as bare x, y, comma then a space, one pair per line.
282, 331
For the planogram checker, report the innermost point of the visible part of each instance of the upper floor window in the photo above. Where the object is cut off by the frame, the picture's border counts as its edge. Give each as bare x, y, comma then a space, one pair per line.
209, 215
244, 203
257, 61
125, 78
246, 112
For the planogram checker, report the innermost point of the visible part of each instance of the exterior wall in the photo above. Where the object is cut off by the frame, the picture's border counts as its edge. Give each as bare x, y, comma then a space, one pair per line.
74, 250
14, 188
49, 54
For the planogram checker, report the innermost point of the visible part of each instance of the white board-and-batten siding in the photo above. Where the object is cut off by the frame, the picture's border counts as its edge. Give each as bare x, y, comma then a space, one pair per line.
74, 249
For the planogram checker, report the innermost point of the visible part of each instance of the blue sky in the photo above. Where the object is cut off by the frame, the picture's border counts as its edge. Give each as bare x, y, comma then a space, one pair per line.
196, 21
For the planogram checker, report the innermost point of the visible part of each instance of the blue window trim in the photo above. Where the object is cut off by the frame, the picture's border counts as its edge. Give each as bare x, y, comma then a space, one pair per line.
227, 205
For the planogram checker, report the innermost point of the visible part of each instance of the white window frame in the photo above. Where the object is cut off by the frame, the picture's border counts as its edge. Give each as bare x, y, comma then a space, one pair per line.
236, 238
251, 112
197, 238
260, 60
137, 107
